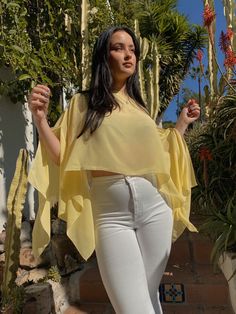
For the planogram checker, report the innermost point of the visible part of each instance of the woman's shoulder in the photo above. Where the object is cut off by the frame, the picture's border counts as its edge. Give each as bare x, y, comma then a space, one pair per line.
79, 102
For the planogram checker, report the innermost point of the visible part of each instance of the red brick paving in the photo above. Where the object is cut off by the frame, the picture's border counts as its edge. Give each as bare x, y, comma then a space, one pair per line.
205, 291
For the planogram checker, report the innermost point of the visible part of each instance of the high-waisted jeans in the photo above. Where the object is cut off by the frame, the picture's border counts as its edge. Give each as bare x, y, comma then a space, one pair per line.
133, 228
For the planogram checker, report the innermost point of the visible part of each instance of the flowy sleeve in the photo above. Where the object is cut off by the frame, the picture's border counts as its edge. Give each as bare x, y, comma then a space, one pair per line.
67, 188
177, 189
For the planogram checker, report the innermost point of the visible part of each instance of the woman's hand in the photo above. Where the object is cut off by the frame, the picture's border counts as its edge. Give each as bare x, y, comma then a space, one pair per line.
189, 114
38, 102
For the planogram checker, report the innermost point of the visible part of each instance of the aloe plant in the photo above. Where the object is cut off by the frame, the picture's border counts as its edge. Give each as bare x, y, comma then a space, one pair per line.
213, 151
15, 203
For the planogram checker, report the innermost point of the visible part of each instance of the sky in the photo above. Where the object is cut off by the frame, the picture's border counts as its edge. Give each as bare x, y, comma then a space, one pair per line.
193, 9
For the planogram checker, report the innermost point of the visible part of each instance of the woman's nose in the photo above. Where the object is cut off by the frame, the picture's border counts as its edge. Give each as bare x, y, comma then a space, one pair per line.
128, 54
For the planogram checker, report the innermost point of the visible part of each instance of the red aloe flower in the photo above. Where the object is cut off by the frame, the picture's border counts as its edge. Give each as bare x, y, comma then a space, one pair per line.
205, 153
229, 33
230, 58
208, 15
199, 55
205, 156
224, 42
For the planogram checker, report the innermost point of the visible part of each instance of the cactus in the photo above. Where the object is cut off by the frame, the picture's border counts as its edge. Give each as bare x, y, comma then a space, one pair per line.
149, 76
144, 47
85, 45
15, 202
152, 81
84, 32
229, 12
215, 90
211, 58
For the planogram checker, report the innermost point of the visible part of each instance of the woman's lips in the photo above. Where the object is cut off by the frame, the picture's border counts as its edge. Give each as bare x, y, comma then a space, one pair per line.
128, 64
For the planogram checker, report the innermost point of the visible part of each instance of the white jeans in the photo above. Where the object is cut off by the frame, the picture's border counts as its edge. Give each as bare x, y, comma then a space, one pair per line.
133, 228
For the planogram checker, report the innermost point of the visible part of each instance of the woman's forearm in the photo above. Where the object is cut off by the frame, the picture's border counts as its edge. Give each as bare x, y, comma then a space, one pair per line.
181, 126
49, 140
189, 114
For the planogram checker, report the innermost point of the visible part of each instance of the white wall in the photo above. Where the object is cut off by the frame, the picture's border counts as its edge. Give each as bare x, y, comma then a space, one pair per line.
12, 138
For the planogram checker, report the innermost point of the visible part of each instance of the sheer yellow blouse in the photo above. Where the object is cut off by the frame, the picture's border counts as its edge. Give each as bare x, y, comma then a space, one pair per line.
127, 142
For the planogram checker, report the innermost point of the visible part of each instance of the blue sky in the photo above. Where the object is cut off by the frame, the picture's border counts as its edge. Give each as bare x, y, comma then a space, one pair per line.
193, 9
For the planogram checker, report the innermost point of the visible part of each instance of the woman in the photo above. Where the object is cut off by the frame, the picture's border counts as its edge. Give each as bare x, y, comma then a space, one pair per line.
114, 172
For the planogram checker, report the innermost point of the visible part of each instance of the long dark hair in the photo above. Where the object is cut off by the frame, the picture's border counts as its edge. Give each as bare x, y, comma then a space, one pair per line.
100, 98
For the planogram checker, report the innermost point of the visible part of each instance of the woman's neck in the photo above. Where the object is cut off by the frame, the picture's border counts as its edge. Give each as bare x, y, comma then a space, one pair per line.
119, 87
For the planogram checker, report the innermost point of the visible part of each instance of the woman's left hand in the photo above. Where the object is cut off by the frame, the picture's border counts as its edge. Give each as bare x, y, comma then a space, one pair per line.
189, 114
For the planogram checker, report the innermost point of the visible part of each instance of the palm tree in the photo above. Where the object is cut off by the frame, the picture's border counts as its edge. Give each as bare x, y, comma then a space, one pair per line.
197, 73
177, 41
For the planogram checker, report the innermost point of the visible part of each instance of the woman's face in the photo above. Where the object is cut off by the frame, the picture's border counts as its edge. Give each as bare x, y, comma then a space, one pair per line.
122, 59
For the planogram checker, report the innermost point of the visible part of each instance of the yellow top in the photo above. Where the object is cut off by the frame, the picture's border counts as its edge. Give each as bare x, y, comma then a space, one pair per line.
128, 142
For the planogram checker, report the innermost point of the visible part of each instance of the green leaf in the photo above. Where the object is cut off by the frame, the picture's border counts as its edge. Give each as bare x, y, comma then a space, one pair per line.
13, 5
15, 47
24, 77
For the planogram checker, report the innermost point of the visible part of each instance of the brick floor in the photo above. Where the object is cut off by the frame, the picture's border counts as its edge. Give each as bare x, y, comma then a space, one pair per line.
205, 291
91, 308
91, 287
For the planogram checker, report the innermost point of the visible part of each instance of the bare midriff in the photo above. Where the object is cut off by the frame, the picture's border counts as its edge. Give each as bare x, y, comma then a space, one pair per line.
102, 173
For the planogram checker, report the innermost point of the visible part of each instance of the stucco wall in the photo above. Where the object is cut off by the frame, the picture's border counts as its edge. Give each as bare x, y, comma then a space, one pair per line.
12, 138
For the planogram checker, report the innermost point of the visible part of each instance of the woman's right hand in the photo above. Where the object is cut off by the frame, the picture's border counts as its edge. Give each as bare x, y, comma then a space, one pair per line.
38, 102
